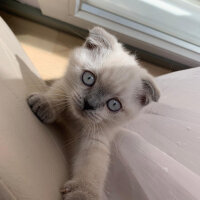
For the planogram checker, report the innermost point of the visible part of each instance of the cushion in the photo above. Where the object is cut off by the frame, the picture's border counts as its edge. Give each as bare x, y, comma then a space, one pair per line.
32, 165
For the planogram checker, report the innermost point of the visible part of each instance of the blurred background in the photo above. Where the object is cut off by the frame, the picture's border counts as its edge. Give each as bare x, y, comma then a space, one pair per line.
164, 34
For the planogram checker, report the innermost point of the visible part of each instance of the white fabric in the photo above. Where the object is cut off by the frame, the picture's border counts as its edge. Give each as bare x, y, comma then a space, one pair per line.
158, 154
155, 157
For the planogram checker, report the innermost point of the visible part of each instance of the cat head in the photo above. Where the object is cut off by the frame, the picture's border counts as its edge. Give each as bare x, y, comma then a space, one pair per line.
106, 84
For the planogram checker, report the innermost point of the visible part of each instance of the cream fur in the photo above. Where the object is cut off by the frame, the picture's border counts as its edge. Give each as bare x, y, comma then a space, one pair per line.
118, 75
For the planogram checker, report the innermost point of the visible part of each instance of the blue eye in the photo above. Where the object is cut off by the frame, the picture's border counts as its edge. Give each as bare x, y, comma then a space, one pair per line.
88, 78
114, 105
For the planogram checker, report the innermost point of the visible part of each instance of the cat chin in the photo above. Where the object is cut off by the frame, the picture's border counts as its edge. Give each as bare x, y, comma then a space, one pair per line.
87, 118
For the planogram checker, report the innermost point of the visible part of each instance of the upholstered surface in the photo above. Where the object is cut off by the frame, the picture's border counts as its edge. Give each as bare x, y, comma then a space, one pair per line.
32, 165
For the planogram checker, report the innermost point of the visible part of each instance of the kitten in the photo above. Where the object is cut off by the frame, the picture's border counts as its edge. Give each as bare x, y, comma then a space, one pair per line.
103, 88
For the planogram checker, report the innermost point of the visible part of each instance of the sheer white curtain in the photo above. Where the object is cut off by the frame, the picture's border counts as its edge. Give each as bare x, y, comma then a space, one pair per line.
157, 156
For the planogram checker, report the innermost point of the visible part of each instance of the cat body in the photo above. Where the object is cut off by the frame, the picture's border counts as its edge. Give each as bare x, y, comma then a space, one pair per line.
103, 88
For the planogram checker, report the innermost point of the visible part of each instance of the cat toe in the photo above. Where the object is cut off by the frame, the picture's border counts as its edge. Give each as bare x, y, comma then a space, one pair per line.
32, 100
69, 186
77, 196
74, 190
41, 108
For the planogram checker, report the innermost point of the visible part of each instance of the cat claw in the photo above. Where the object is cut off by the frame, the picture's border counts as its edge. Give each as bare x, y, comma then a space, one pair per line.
73, 190
65, 190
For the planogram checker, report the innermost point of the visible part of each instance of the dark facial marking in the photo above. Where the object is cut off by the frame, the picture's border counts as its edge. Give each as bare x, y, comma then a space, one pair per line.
144, 100
90, 45
87, 105
150, 90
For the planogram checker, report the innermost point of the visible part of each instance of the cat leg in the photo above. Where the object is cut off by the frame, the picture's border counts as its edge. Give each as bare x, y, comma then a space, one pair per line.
89, 171
48, 106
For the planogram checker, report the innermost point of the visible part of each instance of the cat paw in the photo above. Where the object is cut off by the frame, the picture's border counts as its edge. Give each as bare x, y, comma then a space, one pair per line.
74, 190
41, 108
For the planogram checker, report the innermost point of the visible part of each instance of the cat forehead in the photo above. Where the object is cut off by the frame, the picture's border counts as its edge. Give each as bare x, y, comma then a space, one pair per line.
115, 69
103, 59
120, 81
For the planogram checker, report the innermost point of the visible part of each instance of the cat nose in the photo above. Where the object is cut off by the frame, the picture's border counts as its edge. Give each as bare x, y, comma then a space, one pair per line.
87, 105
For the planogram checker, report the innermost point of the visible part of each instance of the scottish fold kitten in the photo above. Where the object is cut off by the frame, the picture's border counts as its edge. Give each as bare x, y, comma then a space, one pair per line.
103, 87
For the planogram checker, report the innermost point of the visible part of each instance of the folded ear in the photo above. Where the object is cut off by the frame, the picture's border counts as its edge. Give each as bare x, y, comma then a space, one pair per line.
99, 38
150, 92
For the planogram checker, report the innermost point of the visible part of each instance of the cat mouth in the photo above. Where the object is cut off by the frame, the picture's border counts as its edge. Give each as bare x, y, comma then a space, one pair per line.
81, 111
84, 110
85, 114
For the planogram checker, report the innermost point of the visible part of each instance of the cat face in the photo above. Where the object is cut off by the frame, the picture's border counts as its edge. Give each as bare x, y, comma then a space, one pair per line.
106, 84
